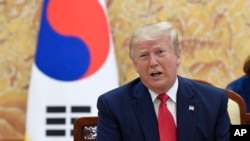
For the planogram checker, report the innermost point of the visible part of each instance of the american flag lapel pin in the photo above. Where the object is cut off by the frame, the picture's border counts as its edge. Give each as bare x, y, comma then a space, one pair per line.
191, 108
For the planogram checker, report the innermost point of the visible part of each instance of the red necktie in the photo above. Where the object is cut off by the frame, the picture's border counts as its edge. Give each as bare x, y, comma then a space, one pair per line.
167, 128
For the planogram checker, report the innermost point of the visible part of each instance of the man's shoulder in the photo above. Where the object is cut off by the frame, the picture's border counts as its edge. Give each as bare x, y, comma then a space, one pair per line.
199, 87
238, 82
126, 88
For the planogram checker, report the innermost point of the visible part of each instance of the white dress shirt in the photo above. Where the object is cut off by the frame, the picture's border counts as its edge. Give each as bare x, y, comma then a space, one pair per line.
171, 103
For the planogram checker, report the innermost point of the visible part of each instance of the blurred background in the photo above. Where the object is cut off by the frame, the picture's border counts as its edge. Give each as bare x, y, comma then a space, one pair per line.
214, 35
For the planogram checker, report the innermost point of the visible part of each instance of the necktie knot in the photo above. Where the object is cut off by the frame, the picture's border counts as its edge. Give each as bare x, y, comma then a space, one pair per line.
163, 97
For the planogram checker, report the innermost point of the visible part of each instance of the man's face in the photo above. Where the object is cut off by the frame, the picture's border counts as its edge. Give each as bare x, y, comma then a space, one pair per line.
156, 63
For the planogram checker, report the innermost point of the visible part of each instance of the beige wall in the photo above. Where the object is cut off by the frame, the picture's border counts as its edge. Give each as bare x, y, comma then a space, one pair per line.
214, 35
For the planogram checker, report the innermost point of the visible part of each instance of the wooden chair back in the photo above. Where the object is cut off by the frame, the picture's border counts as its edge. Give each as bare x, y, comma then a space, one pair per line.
85, 129
236, 108
237, 103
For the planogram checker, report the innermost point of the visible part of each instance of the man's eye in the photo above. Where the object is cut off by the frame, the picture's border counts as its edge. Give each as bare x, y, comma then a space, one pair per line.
143, 55
161, 52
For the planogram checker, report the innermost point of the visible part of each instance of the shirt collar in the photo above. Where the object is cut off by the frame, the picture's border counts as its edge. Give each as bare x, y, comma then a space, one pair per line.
172, 92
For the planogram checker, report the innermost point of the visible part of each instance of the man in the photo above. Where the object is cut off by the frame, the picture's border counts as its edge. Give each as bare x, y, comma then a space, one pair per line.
130, 112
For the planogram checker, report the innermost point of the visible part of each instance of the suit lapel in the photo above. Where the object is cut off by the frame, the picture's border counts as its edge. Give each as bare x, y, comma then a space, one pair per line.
187, 110
144, 110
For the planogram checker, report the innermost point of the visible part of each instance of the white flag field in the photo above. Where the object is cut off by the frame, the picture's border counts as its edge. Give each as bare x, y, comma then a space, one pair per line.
74, 63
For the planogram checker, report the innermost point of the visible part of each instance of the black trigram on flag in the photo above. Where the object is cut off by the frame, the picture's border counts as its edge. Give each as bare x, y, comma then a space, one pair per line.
57, 119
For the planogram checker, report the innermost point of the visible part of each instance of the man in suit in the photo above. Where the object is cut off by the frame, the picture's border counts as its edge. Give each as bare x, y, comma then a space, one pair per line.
130, 112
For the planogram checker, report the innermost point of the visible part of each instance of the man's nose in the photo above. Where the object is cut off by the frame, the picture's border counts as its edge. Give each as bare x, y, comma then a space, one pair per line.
153, 61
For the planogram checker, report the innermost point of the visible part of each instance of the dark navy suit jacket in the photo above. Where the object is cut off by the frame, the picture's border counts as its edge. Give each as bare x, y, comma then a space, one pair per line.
127, 113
